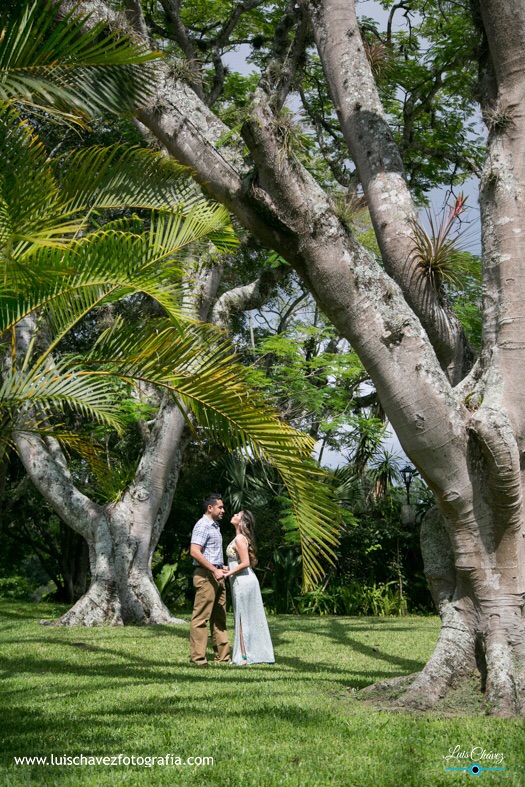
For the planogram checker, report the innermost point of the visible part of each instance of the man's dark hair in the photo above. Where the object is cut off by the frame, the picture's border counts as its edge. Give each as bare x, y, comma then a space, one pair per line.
211, 500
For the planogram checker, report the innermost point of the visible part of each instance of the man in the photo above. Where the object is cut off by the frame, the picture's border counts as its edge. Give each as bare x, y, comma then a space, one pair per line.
210, 589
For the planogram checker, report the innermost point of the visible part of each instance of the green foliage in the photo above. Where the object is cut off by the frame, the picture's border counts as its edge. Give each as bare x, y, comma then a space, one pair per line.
56, 66
432, 108
466, 299
164, 578
281, 596
171, 585
354, 598
16, 587
308, 374
289, 525
244, 483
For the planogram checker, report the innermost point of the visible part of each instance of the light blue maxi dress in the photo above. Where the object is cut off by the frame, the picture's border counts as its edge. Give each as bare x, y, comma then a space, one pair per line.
249, 615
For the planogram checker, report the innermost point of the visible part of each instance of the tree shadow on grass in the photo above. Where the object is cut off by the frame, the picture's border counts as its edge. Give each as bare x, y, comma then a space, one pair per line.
333, 623
339, 633
102, 733
116, 669
93, 644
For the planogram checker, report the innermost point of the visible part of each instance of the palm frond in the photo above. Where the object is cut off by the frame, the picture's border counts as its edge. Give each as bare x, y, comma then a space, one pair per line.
28, 190
107, 265
120, 176
204, 376
32, 395
41, 206
57, 64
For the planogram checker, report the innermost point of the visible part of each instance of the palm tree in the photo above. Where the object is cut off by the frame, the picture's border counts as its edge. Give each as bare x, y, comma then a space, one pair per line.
56, 269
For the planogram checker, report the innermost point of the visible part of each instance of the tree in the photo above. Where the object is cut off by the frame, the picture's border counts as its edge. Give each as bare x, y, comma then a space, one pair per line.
460, 423
56, 271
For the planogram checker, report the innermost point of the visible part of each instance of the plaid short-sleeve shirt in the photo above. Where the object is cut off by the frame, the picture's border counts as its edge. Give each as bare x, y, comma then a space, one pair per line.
207, 534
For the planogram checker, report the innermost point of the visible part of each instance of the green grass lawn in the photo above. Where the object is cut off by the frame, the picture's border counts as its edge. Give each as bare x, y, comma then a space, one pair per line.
131, 692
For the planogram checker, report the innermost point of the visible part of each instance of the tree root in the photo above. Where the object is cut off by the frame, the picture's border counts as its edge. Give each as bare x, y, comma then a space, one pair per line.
498, 672
387, 689
452, 660
100, 606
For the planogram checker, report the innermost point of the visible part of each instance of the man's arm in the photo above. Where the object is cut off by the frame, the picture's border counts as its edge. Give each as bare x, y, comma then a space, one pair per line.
196, 554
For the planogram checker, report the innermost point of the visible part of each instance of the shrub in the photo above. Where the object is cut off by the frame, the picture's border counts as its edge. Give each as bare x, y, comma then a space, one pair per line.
18, 588
354, 598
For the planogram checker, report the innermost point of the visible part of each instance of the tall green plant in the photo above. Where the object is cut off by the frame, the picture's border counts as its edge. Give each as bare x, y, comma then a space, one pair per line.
50, 62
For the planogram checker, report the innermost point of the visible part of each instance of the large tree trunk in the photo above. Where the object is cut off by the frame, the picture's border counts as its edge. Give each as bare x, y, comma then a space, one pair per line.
121, 536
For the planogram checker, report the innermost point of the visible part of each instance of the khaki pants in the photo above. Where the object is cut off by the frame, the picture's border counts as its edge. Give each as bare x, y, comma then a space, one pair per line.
209, 607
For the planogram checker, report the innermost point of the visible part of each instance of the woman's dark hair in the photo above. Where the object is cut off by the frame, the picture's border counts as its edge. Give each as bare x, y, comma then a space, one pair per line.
246, 527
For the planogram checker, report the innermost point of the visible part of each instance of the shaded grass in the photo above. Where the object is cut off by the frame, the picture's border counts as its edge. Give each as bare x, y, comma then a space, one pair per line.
131, 691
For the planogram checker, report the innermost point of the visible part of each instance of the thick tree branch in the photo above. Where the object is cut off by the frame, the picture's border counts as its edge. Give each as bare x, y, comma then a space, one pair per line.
54, 482
374, 151
249, 296
502, 202
190, 132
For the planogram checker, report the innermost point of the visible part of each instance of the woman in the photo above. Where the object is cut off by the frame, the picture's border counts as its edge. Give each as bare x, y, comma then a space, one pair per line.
253, 644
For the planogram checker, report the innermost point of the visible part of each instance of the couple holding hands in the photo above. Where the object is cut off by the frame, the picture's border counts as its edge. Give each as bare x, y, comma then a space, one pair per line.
252, 644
